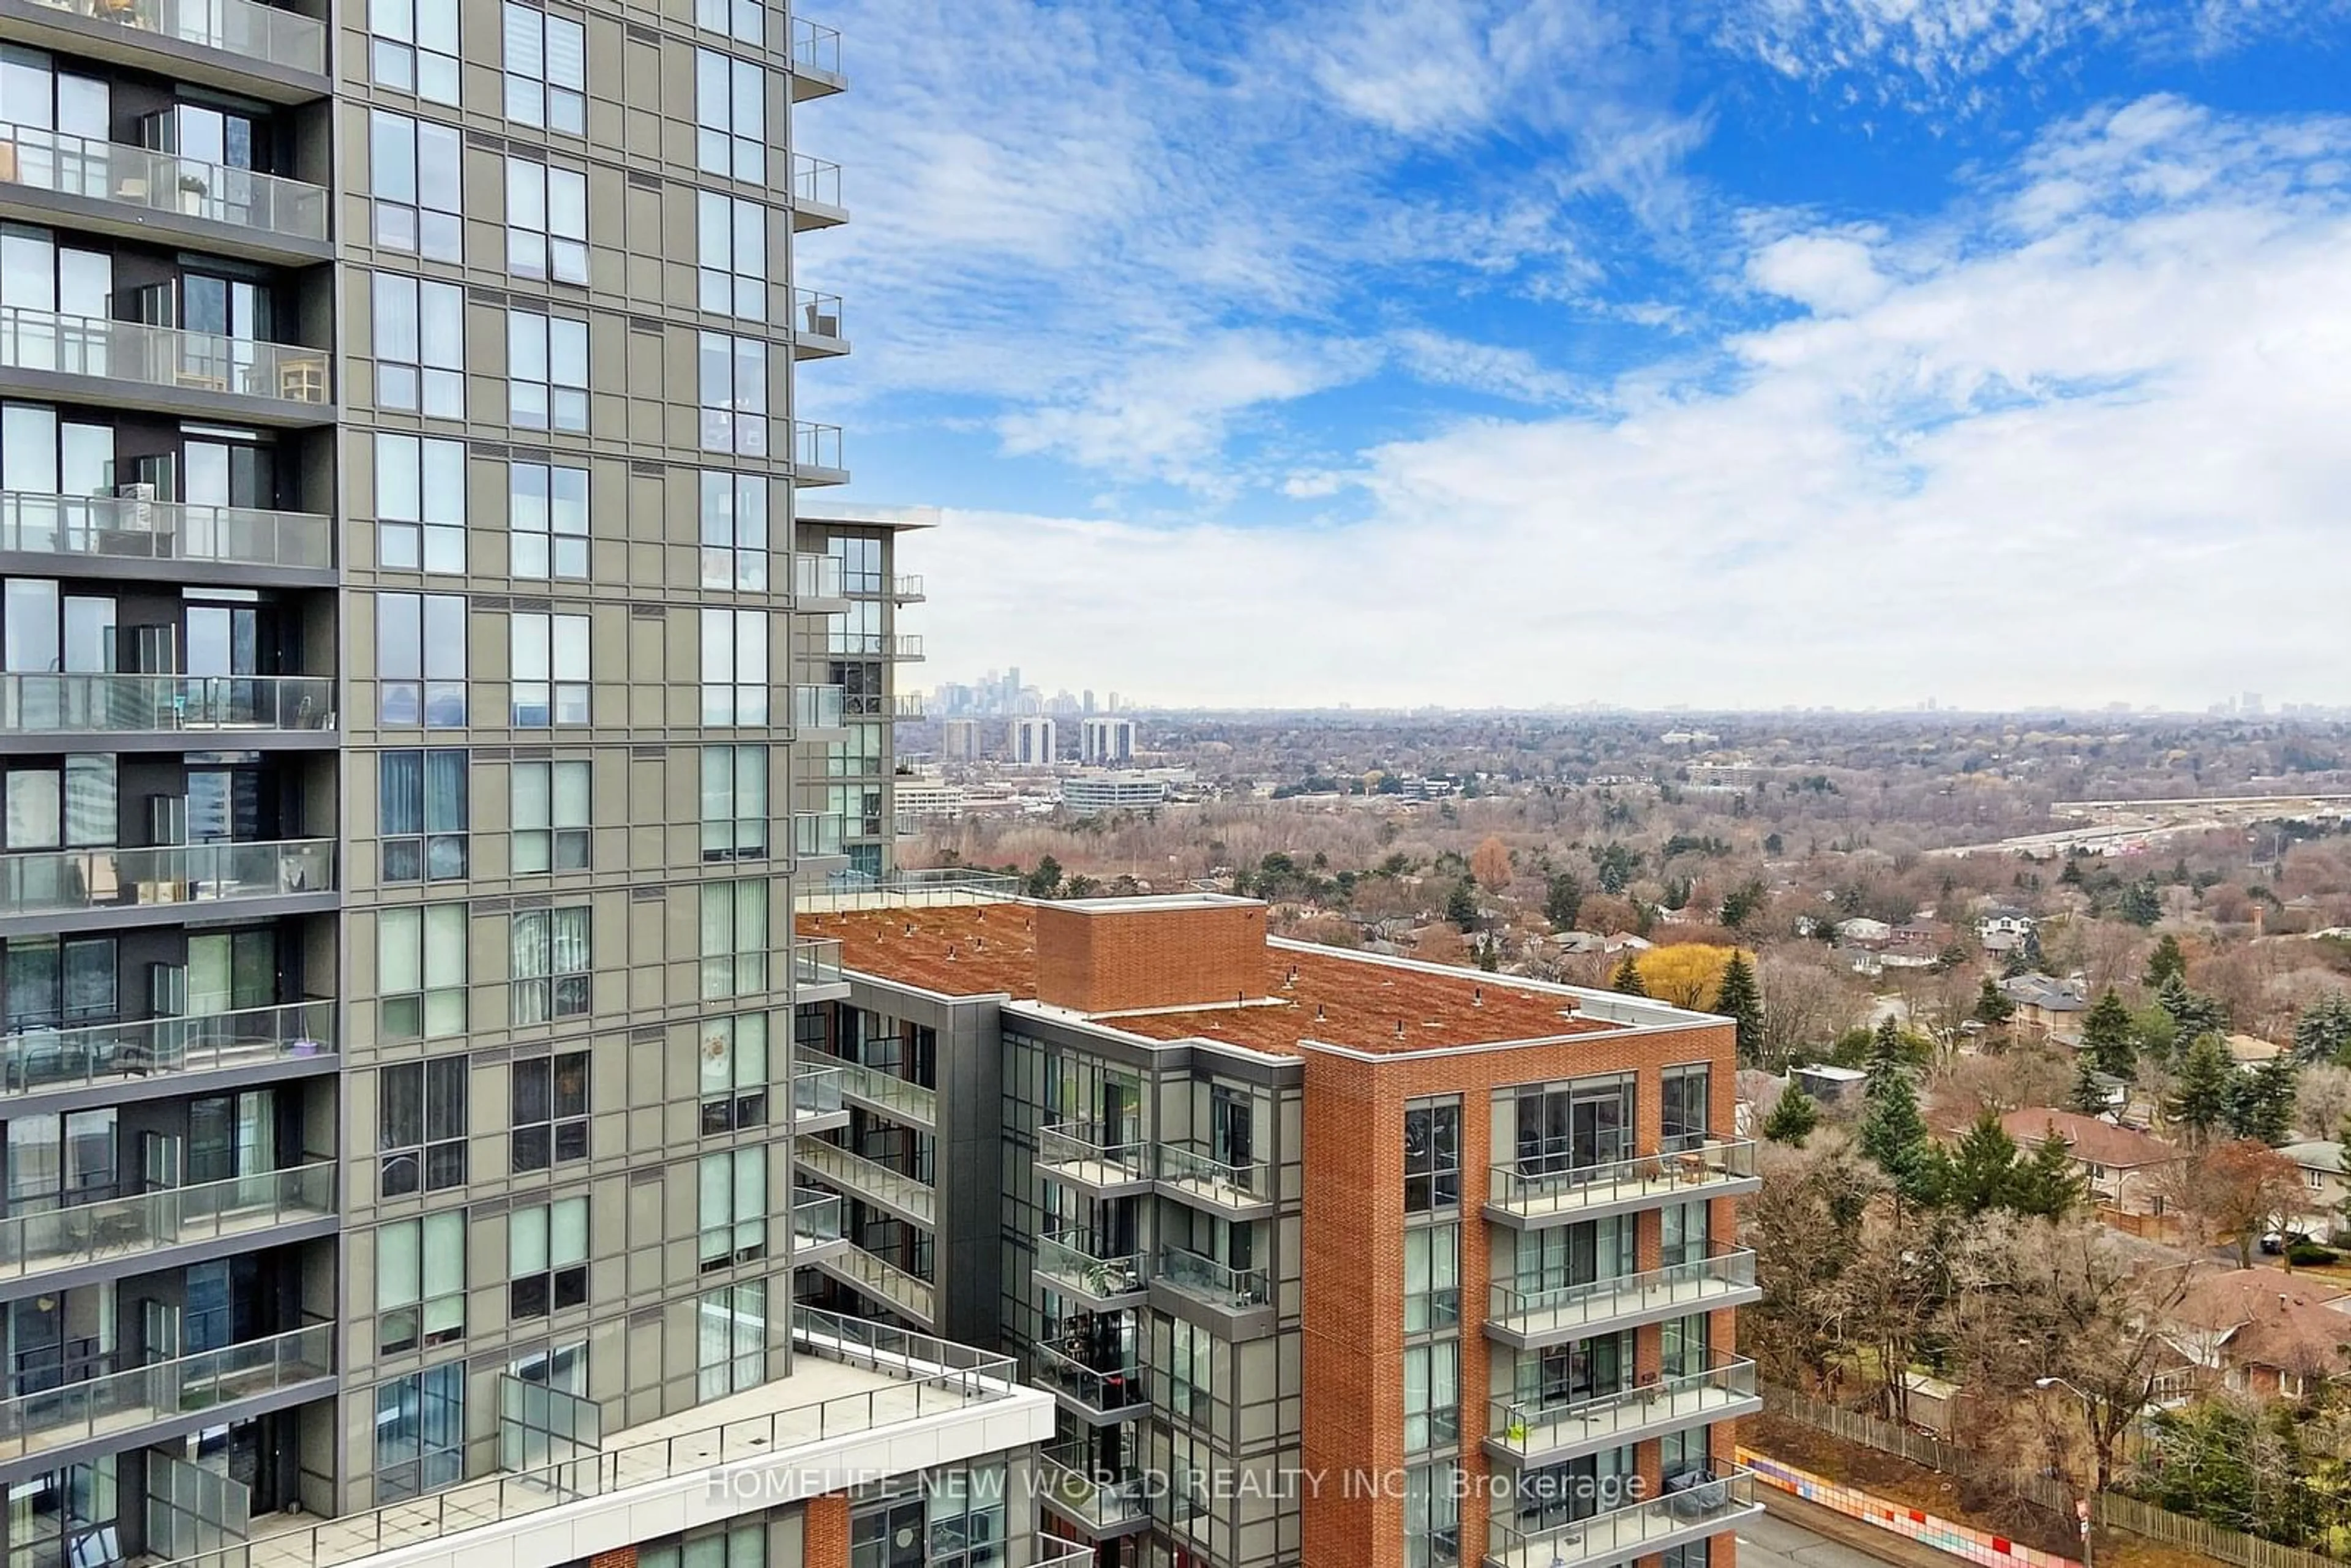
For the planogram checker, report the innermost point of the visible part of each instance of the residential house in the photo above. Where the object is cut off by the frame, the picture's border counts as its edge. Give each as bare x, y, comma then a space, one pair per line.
1862, 930
2260, 1332
2125, 1169
1829, 1085
2046, 1005
2001, 929
2253, 1050
2323, 1189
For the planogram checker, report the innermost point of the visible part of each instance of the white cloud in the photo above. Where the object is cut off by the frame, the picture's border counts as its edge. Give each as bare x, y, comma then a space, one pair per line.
1442, 361
2082, 444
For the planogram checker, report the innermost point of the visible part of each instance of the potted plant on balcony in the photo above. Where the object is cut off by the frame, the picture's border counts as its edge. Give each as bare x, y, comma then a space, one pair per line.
1108, 1278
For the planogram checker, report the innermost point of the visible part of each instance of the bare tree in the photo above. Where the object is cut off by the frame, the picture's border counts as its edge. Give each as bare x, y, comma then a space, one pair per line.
2232, 1192
2322, 1101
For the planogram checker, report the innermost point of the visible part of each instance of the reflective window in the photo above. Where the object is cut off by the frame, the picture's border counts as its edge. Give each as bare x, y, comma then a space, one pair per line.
419, 345
416, 174
420, 503
547, 222
546, 70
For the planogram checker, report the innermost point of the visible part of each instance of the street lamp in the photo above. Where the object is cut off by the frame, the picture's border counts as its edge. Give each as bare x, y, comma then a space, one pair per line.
2089, 1415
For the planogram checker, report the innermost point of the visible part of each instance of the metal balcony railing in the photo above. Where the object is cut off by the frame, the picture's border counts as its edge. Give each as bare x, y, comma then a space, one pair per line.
1530, 1428
1079, 1151
1690, 1507
816, 1219
34, 1058
1205, 1279
906, 705
1527, 1188
114, 704
816, 445
816, 961
260, 33
1580, 1307
816, 577
898, 1098
156, 182
1106, 1389
121, 1402
123, 527
211, 1211
816, 180
908, 587
867, 1179
815, 314
160, 356
1070, 1258
1099, 1499
815, 47
42, 881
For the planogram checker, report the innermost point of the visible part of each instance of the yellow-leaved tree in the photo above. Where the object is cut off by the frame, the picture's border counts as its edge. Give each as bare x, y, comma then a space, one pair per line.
1686, 974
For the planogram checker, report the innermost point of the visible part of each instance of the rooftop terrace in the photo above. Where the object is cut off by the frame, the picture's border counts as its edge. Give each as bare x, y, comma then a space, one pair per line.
1303, 993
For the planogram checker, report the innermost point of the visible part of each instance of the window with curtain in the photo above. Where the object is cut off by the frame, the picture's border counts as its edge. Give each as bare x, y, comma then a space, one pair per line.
547, 371
421, 1126
547, 222
549, 1110
551, 817
421, 971
422, 814
546, 70
734, 802
551, 960
1432, 1516
546, 1257
1431, 1394
733, 937
420, 1281
733, 1073
1432, 1278
550, 669
547, 520
734, 1207
734, 666
731, 1340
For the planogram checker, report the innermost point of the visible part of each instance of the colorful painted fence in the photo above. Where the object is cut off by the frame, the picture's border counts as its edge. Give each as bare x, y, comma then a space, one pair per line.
1978, 1546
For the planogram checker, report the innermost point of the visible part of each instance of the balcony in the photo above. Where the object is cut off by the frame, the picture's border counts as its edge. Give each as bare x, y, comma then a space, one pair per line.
818, 835
905, 1103
1070, 1264
1529, 1434
1525, 1199
283, 1369
817, 1220
816, 455
137, 193
1692, 1508
1242, 1190
816, 61
816, 326
105, 881
1100, 1395
906, 706
906, 590
874, 645
817, 1105
187, 711
883, 1282
861, 1178
816, 969
1528, 1319
817, 582
95, 359
1206, 1280
817, 713
259, 50
1076, 1154
1102, 1504
38, 1060
816, 194
141, 1231
168, 535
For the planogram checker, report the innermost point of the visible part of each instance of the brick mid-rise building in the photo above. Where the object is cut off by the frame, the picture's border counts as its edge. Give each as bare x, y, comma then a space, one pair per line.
1332, 1261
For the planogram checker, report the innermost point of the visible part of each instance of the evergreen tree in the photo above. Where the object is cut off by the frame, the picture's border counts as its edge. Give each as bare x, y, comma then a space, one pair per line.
2200, 1094
1461, 905
2087, 1095
2261, 1101
2167, 962
2045, 1183
2193, 1011
1563, 900
1046, 879
1893, 1133
1981, 1169
1626, 980
2323, 1033
1738, 999
1992, 1007
2107, 1037
1794, 1116
2140, 903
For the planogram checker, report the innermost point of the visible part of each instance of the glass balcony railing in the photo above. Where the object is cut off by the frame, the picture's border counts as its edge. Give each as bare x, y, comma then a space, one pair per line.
212, 1212
123, 527
816, 314
262, 34
867, 1179
160, 356
114, 704
816, 445
816, 180
121, 1402
1689, 1507
1527, 1189
815, 47
906, 705
1246, 1184
815, 707
818, 834
907, 588
816, 1219
1089, 1153
1205, 1279
34, 1058
816, 1092
162, 182
816, 961
1572, 1311
1104, 1389
1529, 1428
1070, 1260
909, 1295
42, 881
816, 576
1099, 1499
896, 1097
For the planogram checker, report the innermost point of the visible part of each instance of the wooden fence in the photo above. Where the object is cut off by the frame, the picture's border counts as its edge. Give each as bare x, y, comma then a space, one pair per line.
2112, 1510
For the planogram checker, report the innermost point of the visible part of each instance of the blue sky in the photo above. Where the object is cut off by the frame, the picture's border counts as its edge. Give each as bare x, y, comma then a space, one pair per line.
1728, 352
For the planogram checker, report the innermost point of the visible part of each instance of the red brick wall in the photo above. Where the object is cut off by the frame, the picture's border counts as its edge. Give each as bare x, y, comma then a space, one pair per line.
1353, 1270
1184, 955
621, 1557
824, 1530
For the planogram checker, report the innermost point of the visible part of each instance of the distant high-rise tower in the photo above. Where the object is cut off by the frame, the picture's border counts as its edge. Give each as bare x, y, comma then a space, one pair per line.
1104, 742
1088, 700
1033, 742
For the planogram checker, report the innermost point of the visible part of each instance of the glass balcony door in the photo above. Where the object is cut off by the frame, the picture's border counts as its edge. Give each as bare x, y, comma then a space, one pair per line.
48, 294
